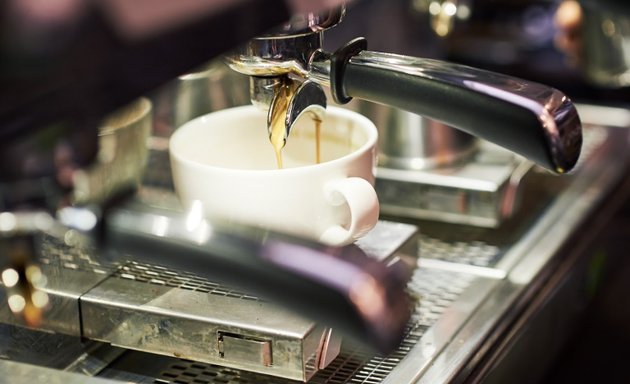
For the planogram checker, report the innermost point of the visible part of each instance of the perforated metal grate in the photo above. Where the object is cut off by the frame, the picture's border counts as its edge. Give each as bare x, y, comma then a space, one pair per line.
436, 291
153, 274
477, 253
56, 253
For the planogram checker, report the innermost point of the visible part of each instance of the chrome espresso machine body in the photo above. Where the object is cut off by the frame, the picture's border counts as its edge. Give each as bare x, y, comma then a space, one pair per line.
126, 286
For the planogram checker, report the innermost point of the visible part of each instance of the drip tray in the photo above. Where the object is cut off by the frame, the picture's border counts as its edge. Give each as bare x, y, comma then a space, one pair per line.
153, 309
147, 308
440, 292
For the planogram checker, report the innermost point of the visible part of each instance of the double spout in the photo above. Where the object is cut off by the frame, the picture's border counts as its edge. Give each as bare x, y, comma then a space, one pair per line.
528, 118
279, 66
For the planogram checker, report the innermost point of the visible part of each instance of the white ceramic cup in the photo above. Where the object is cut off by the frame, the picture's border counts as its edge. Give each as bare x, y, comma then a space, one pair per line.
225, 162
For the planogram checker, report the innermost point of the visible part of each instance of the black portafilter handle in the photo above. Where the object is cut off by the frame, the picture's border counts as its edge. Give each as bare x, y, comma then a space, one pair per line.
531, 119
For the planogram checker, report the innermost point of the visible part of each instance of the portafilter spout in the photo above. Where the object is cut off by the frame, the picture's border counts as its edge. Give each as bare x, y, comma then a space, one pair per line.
277, 65
531, 119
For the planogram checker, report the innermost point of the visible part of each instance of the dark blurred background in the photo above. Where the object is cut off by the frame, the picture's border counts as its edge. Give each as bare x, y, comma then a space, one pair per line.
515, 37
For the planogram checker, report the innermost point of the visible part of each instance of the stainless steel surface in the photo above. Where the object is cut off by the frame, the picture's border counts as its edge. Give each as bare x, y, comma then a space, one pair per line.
188, 317
387, 239
438, 290
210, 88
55, 350
268, 57
483, 191
95, 358
70, 272
22, 280
307, 98
122, 154
470, 282
22, 373
287, 49
531, 257
411, 141
330, 347
245, 349
154, 309
119, 167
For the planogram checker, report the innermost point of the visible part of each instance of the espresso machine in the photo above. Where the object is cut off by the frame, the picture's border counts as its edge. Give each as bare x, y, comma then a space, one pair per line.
110, 282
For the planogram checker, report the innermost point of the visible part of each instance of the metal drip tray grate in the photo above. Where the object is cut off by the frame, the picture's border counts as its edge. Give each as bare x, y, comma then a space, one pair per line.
55, 253
436, 291
158, 310
158, 275
476, 253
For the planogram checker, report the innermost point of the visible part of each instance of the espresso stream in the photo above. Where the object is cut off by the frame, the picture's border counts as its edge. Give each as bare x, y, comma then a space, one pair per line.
278, 114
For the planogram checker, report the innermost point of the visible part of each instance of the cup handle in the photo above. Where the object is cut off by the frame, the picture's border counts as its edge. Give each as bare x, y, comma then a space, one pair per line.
362, 201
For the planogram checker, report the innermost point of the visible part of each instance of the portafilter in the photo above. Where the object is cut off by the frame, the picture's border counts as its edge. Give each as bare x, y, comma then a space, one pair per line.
531, 119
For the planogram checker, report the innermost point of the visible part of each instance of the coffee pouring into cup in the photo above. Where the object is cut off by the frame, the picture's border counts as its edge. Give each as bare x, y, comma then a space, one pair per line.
223, 164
